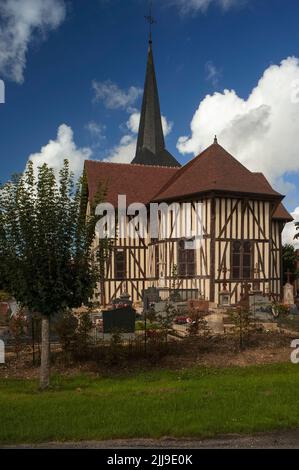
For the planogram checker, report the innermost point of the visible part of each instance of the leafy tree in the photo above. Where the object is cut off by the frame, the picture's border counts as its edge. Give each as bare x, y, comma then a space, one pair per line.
243, 322
198, 324
45, 245
165, 320
290, 261
83, 338
17, 328
66, 326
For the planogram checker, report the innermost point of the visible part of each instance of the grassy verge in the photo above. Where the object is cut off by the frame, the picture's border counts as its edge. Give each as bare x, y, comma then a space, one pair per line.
191, 403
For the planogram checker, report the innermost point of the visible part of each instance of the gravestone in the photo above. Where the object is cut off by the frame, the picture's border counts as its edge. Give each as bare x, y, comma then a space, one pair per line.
224, 296
215, 323
246, 290
119, 320
260, 306
150, 296
294, 310
122, 301
288, 294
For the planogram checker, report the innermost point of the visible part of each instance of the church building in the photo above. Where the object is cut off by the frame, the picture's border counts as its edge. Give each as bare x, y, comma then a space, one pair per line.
242, 218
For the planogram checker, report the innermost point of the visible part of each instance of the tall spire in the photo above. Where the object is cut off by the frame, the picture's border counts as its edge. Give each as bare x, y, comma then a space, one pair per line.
151, 20
151, 144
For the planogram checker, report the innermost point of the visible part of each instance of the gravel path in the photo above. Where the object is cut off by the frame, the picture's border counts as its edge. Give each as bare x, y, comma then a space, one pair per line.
276, 440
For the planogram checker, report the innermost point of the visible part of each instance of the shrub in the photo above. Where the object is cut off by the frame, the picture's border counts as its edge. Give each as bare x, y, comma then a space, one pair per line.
83, 334
66, 327
243, 323
17, 328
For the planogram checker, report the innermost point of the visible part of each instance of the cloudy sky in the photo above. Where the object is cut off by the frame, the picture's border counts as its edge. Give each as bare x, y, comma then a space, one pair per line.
74, 72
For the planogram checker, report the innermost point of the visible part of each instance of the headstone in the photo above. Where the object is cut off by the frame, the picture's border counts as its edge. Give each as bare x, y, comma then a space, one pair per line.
122, 301
288, 294
150, 296
244, 302
224, 296
215, 323
260, 305
119, 320
294, 310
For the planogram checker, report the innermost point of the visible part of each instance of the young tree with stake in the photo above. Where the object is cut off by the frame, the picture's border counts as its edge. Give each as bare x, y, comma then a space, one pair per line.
45, 245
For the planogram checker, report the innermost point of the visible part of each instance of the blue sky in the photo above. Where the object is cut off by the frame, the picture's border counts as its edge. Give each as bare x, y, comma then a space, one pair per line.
198, 51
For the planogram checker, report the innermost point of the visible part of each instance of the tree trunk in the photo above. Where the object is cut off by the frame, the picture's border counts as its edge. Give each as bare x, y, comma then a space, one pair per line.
45, 354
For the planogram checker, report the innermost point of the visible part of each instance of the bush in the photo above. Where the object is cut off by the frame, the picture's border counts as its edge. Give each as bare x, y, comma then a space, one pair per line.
149, 325
198, 324
280, 310
243, 323
66, 327
17, 328
83, 334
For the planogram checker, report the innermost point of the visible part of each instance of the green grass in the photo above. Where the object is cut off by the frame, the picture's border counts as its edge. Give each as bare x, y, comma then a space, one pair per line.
191, 403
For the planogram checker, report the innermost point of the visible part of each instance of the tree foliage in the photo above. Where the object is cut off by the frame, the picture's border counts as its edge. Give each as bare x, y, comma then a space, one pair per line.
243, 322
46, 237
45, 240
290, 261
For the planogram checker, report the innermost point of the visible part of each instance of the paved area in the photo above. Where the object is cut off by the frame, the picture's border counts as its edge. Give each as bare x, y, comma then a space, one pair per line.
276, 440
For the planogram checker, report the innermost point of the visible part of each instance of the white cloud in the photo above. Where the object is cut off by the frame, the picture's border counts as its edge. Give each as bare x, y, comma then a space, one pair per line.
96, 130
290, 230
20, 22
262, 131
191, 6
134, 120
212, 73
64, 147
114, 97
124, 152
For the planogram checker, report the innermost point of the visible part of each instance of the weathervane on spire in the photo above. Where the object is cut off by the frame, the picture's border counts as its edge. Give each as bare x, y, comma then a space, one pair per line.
151, 21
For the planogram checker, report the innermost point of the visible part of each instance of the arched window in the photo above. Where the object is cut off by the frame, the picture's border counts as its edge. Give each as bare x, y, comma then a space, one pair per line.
241, 260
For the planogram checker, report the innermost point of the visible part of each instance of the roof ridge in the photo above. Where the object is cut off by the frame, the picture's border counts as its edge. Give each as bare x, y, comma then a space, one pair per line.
194, 175
182, 170
133, 164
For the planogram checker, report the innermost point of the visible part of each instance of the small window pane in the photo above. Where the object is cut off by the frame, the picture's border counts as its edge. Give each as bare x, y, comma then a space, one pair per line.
120, 265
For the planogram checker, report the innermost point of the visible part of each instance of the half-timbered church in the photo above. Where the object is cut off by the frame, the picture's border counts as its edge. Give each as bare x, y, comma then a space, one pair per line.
242, 217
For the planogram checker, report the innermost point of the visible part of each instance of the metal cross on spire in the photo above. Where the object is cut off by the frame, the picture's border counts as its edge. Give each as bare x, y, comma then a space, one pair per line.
151, 20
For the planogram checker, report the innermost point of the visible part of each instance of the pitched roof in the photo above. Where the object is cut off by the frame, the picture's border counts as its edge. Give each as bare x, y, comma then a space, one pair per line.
138, 182
151, 144
282, 214
214, 170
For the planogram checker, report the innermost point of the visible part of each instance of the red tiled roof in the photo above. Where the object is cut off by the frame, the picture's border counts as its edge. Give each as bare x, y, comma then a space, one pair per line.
138, 182
280, 213
214, 170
